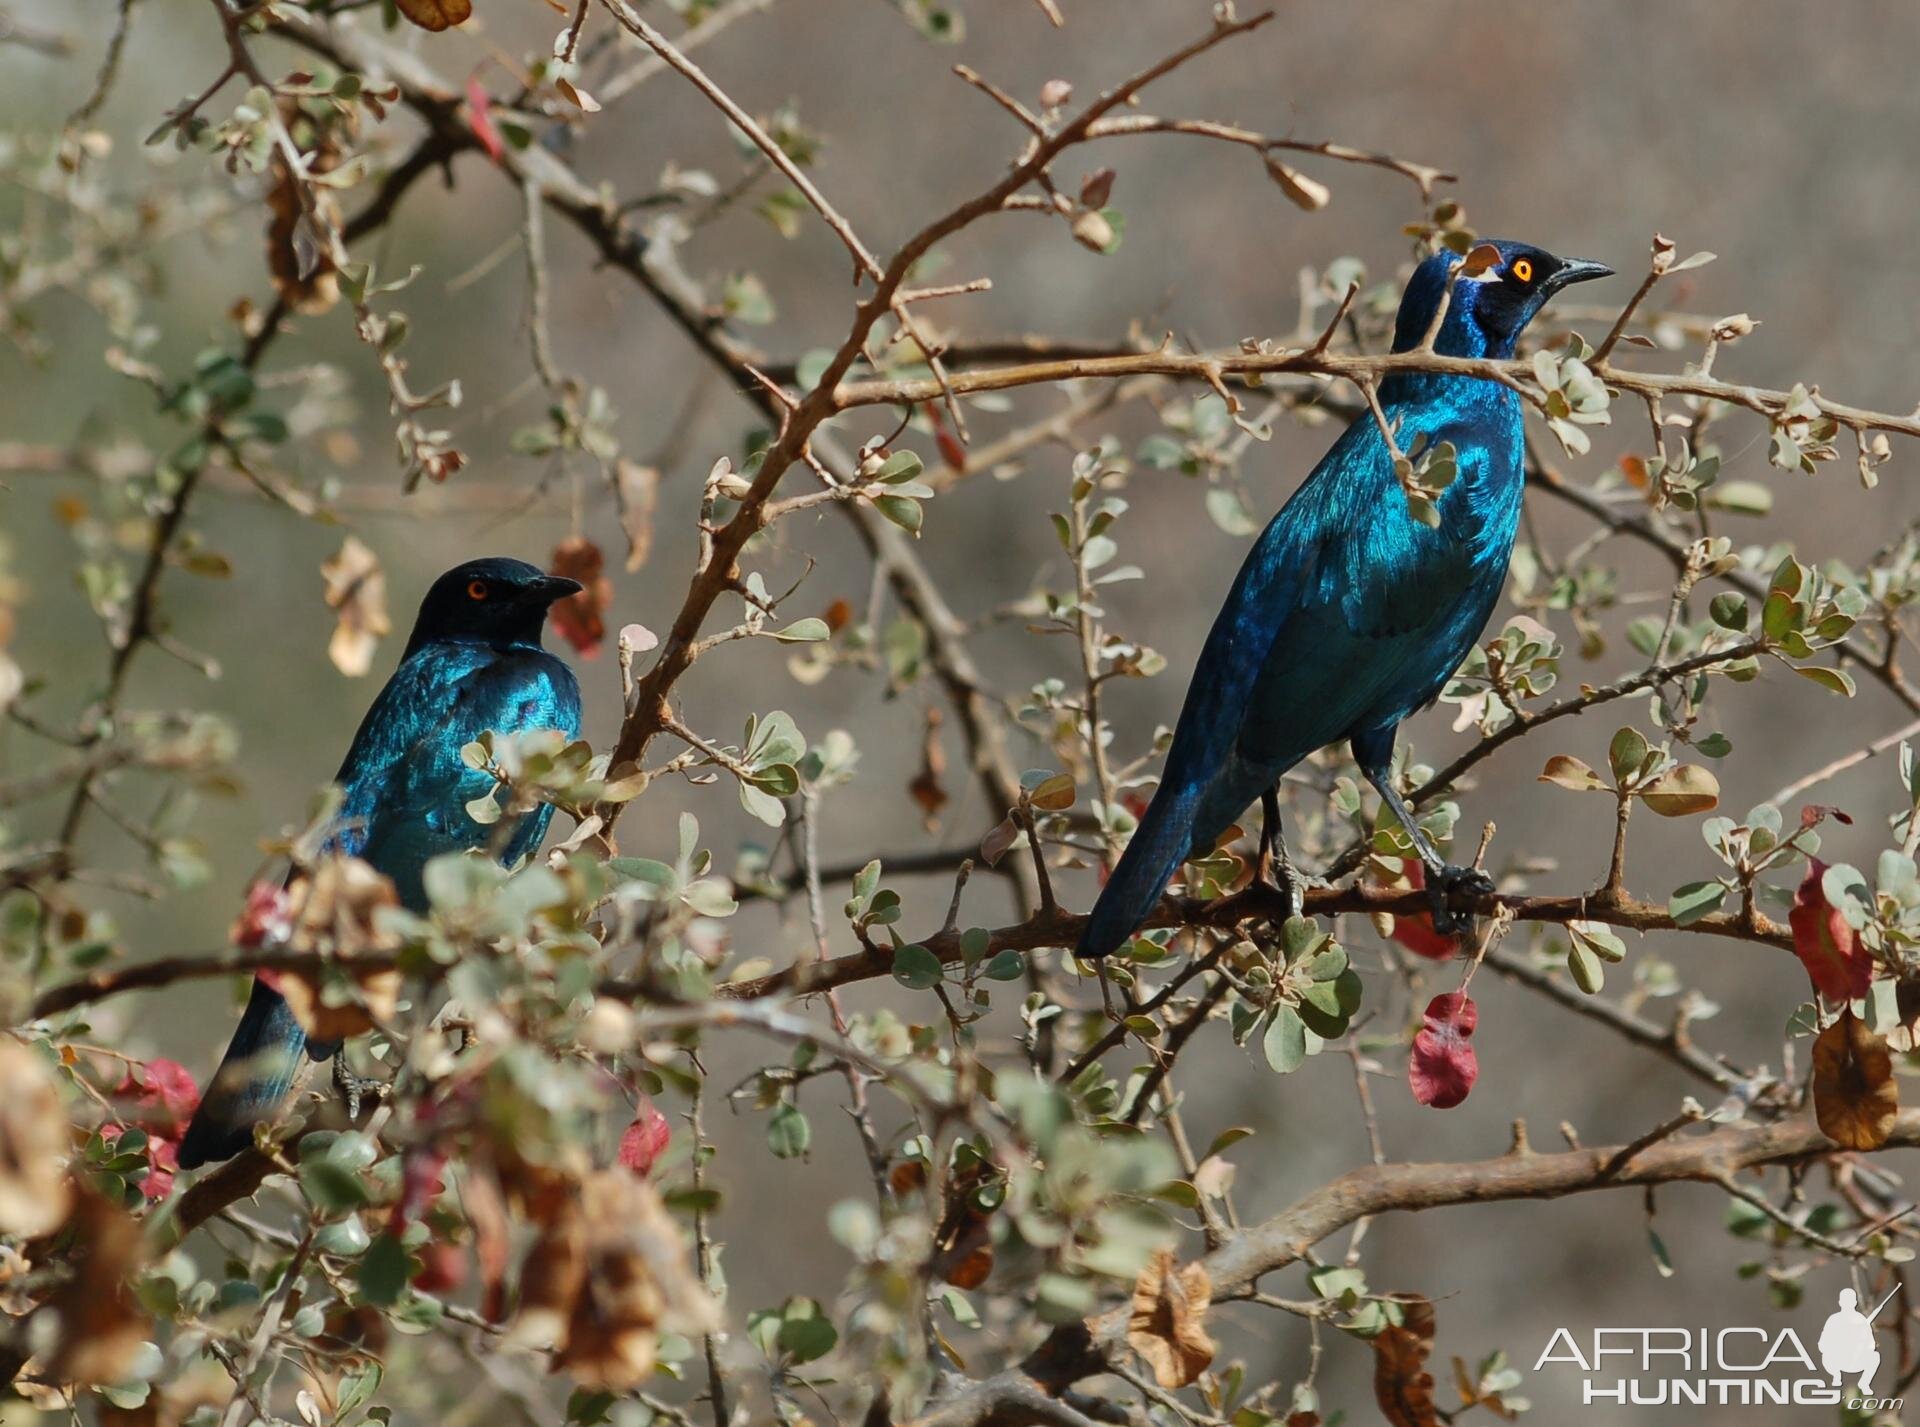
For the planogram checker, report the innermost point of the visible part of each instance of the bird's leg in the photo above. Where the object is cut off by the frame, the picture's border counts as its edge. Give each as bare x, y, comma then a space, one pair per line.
1275, 867
1445, 881
353, 1087
1106, 991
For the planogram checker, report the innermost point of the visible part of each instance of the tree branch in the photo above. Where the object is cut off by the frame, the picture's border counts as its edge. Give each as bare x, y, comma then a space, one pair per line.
1092, 1346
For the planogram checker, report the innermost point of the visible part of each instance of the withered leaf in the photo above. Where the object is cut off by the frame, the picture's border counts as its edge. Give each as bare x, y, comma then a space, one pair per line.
1855, 1098
1168, 1327
435, 14
1401, 1383
581, 619
357, 594
1838, 965
636, 488
298, 259
614, 1275
555, 1271
1680, 792
926, 789
971, 1269
333, 910
994, 845
101, 1328
486, 1209
1303, 192
35, 1193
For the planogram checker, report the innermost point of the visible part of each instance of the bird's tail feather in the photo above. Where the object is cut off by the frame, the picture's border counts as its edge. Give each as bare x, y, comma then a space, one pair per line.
1158, 847
253, 1078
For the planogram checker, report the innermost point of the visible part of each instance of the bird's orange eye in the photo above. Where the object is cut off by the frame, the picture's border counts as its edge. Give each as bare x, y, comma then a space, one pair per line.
1523, 269
477, 590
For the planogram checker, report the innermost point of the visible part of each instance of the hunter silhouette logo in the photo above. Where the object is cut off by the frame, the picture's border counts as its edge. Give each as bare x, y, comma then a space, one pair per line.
1846, 1342
1744, 1366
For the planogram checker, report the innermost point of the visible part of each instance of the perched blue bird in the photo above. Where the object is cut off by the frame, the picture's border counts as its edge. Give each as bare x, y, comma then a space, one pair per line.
474, 663
1349, 614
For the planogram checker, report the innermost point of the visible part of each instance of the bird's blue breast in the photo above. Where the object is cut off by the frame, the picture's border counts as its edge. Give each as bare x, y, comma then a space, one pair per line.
1349, 613
406, 786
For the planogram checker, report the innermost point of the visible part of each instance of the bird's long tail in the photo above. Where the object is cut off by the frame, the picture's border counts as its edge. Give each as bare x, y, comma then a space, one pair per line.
1159, 845
253, 1078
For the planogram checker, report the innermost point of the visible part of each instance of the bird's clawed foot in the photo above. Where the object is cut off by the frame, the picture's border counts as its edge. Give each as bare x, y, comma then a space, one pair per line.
1291, 886
1274, 868
1447, 884
354, 1088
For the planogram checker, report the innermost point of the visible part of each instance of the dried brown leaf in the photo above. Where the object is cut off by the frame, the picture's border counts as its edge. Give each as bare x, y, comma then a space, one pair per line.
994, 845
1855, 1097
1168, 1327
927, 789
1401, 1383
1683, 791
334, 911
580, 619
35, 1193
637, 490
298, 258
101, 1327
357, 594
436, 14
1303, 192
550, 1284
637, 1281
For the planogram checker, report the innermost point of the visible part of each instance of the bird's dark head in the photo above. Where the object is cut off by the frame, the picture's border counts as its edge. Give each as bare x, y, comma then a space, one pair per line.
494, 601
1502, 285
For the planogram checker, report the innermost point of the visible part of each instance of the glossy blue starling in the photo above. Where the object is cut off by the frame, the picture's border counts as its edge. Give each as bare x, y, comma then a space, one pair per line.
474, 663
1350, 613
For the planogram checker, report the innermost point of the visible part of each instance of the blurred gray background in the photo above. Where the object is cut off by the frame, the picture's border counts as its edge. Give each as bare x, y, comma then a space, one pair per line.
1778, 135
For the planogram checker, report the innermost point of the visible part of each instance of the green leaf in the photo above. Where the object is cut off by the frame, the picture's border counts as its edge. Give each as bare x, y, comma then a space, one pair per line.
1777, 615
1694, 901
1160, 452
332, 1187
1626, 753
900, 466
1834, 680
901, 511
384, 1270
1226, 1140
1008, 965
805, 1332
803, 631
780, 780
1285, 1043
1662, 1263
710, 897
1729, 610
1741, 497
1600, 939
788, 1133
974, 942
917, 968
356, 1386
1229, 511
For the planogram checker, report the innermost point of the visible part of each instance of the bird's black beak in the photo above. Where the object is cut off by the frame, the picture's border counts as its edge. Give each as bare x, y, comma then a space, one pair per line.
550, 589
1574, 270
